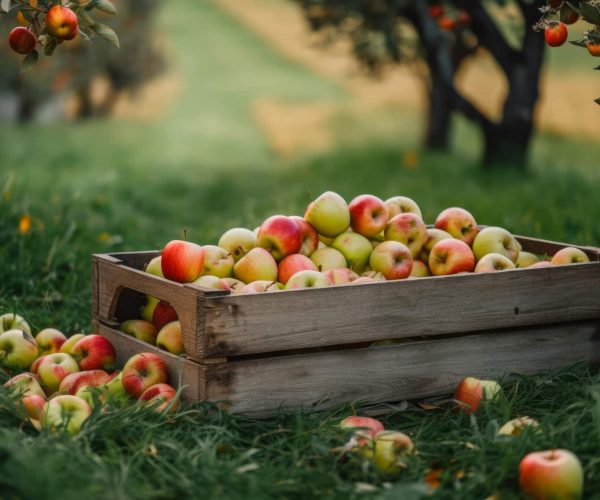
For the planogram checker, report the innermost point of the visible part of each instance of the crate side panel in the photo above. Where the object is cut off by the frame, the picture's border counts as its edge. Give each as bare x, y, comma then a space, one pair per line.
396, 372
242, 325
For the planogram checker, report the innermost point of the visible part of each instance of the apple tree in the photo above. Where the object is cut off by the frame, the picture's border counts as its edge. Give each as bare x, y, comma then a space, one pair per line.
444, 34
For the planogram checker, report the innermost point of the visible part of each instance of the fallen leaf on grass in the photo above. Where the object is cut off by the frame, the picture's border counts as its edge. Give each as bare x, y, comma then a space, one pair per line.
246, 468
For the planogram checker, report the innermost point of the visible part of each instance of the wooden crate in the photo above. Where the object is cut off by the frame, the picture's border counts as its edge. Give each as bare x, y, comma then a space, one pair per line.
313, 348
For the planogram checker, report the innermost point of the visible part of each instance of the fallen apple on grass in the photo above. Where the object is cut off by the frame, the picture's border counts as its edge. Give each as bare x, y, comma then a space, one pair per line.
53, 368
471, 391
11, 321
390, 451
160, 396
143, 371
516, 426
94, 352
25, 384
65, 412
551, 474
49, 341
18, 350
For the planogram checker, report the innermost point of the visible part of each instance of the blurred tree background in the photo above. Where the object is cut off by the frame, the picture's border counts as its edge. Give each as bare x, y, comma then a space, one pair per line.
82, 79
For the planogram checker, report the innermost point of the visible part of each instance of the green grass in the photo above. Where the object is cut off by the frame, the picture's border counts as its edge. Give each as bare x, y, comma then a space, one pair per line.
109, 186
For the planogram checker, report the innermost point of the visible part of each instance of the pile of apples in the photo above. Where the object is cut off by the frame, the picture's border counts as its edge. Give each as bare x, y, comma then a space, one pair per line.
556, 473
335, 243
62, 379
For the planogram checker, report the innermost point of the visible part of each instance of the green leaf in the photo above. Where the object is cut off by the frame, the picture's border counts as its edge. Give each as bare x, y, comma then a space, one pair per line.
86, 19
579, 43
107, 33
50, 46
106, 6
574, 7
590, 13
29, 60
597, 101
5, 5
597, 68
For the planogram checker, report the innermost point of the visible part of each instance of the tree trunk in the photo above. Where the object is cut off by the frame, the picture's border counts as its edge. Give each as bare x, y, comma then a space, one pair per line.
437, 131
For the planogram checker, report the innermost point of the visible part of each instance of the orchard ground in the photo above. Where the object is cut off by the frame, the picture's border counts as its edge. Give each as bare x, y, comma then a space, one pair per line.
67, 191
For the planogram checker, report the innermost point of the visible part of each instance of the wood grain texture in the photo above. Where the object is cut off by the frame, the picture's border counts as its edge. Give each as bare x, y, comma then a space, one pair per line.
182, 371
318, 381
296, 319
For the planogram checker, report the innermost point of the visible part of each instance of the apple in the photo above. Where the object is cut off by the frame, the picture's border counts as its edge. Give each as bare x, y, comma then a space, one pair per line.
182, 261
392, 259
115, 389
238, 242
17, 350
212, 282
257, 265
542, 263
292, 264
49, 341
307, 279
154, 267
525, 259
280, 236
458, 223
147, 310
451, 257
364, 280
402, 204
340, 276
365, 425
325, 241
494, 262
551, 474
33, 406
368, 215
355, 248
170, 338
261, 286
53, 368
328, 258
25, 384
94, 352
22, 40
163, 313
433, 236
61, 22
390, 450
75, 381
328, 214
12, 321
409, 229
569, 255
310, 238
141, 371
495, 240
419, 269
217, 262
160, 396
235, 285
140, 329
65, 411
515, 426
70, 343
376, 275
471, 391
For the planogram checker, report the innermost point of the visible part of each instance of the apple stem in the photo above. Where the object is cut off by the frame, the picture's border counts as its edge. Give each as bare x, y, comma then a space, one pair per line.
185, 234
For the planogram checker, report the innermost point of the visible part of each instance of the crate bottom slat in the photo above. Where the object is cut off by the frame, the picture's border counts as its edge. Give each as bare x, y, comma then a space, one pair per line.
408, 370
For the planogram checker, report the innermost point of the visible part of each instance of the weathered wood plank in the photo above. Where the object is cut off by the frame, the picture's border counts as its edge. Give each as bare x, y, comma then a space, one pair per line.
249, 324
412, 370
182, 371
137, 260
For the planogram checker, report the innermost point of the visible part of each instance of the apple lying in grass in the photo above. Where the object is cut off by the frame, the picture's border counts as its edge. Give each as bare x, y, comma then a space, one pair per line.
433, 236
212, 282
409, 229
551, 474
25, 384
237, 242
492, 262
390, 451
471, 391
366, 426
94, 352
310, 238
392, 259
182, 261
402, 204
163, 313
217, 262
451, 257
160, 396
459, 223
328, 258
34, 405
142, 371
280, 236
368, 215
257, 265
11, 321
328, 214
516, 426
49, 340
569, 255
67, 347
75, 381
170, 338
53, 368
355, 248
307, 279
292, 264
140, 329
495, 240
18, 350
65, 412
114, 388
